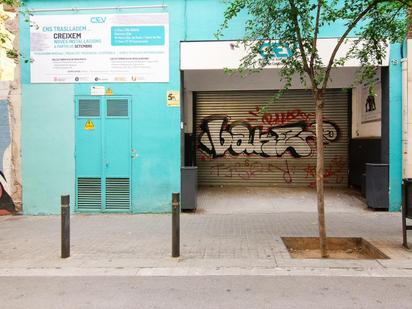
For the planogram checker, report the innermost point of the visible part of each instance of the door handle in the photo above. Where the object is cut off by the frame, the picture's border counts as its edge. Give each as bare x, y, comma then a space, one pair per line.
107, 163
134, 154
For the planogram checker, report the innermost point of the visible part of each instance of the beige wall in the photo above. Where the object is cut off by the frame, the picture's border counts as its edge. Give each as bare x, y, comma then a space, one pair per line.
7, 65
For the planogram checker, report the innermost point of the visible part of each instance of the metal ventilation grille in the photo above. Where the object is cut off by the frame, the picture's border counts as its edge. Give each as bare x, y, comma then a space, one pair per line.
89, 194
118, 193
117, 108
89, 108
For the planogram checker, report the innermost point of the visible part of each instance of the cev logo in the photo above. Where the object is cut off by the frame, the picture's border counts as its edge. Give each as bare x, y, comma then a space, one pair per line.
276, 50
98, 20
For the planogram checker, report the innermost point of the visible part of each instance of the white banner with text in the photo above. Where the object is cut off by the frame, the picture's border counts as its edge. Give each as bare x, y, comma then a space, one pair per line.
99, 48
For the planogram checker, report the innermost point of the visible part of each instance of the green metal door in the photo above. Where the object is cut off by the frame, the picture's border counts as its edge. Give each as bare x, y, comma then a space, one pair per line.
103, 154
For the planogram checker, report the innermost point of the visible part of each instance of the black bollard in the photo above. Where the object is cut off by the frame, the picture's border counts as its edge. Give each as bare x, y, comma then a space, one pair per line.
65, 225
175, 225
404, 203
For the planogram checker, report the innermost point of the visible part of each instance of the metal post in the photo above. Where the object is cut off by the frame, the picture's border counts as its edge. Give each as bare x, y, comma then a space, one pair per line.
175, 225
65, 226
405, 203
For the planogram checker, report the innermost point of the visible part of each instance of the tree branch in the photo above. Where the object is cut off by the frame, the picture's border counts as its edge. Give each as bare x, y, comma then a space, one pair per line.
343, 38
315, 39
407, 3
300, 41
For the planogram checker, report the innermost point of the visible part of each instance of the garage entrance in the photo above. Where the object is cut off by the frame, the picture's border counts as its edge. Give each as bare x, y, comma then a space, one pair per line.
237, 138
243, 138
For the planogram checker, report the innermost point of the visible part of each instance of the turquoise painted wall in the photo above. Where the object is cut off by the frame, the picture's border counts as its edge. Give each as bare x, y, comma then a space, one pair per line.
203, 18
48, 113
395, 128
48, 133
47, 146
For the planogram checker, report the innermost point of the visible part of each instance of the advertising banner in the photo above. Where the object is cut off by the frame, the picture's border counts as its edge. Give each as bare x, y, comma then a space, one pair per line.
99, 48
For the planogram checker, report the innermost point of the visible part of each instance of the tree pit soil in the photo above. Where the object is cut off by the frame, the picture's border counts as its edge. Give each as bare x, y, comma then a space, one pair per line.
345, 248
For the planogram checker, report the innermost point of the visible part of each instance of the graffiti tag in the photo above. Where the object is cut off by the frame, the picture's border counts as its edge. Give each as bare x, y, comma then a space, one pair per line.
280, 118
219, 136
247, 170
333, 172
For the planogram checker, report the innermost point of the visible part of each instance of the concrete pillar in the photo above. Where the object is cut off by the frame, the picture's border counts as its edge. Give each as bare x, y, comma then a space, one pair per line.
395, 128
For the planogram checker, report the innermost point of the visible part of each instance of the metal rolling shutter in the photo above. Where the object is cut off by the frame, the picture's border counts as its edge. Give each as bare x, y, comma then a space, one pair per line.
240, 144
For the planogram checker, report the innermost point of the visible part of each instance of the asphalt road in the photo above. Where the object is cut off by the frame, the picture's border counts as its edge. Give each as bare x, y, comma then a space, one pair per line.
205, 292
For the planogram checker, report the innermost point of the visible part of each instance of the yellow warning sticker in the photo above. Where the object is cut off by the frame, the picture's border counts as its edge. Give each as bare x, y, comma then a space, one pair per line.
89, 125
109, 91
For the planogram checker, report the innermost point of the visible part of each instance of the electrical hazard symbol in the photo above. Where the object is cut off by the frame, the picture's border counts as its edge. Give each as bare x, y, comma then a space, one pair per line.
89, 125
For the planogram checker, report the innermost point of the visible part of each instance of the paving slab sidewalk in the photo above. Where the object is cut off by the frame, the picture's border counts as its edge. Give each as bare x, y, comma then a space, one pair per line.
211, 244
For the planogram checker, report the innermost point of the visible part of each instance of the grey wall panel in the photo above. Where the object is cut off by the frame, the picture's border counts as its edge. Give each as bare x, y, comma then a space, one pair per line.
243, 138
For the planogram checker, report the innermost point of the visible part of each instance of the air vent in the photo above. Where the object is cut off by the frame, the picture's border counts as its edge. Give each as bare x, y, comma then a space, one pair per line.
117, 108
118, 193
89, 108
89, 194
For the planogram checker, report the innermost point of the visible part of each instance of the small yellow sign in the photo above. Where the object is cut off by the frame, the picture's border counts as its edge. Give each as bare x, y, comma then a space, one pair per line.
173, 98
89, 125
109, 91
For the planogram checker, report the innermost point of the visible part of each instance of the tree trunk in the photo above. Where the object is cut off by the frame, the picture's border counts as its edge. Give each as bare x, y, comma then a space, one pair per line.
320, 173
